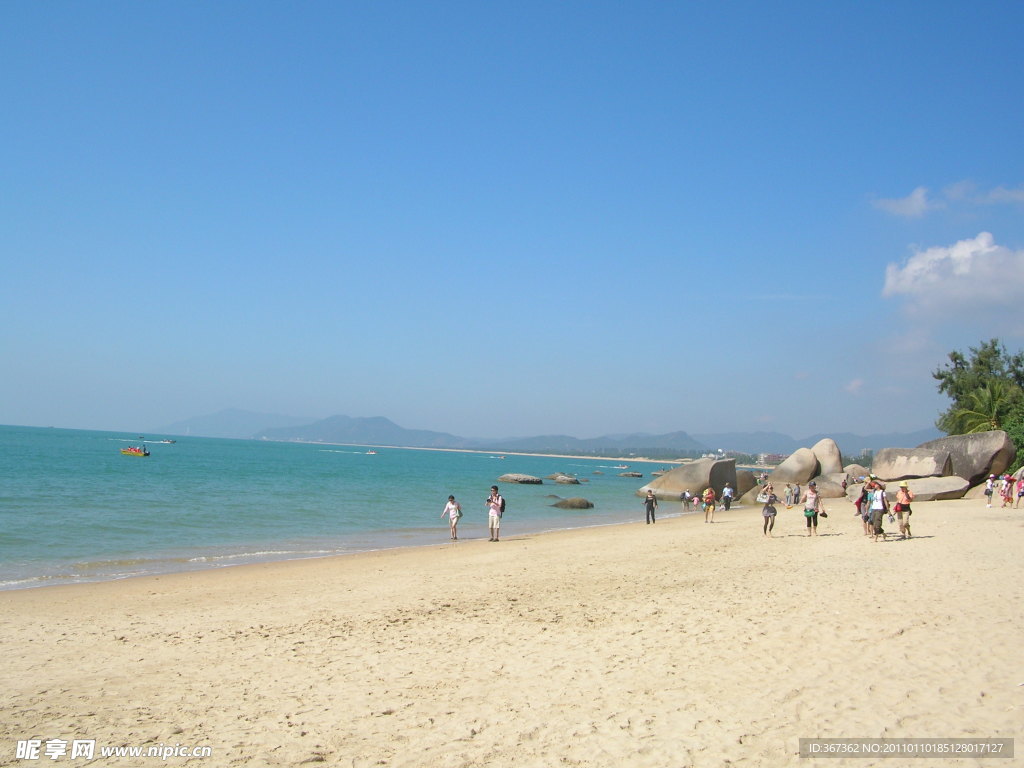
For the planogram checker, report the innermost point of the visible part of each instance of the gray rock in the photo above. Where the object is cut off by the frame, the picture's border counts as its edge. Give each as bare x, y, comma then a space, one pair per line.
574, 503
521, 479
695, 476
975, 457
830, 459
631, 474
923, 488
933, 488
829, 486
567, 480
856, 470
904, 463
799, 467
745, 480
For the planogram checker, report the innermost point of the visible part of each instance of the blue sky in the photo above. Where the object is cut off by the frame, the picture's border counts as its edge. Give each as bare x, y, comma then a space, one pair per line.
502, 219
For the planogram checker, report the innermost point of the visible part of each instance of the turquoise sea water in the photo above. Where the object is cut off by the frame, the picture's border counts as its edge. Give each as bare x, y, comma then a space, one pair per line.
73, 508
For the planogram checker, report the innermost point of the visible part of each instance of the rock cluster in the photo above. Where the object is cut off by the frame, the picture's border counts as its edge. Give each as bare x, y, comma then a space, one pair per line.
823, 464
947, 468
521, 479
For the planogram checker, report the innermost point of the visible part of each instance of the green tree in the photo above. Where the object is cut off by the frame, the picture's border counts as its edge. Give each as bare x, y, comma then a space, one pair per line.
988, 407
987, 390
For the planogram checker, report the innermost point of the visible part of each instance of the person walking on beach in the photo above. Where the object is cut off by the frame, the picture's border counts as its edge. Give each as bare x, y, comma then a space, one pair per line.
727, 493
879, 506
1007, 491
709, 504
687, 499
902, 509
812, 508
1020, 490
796, 493
495, 509
769, 512
863, 507
454, 511
989, 488
650, 504
789, 495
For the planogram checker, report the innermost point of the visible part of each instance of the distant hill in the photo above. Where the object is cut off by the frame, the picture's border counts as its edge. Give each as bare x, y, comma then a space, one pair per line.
673, 442
375, 430
231, 422
378, 430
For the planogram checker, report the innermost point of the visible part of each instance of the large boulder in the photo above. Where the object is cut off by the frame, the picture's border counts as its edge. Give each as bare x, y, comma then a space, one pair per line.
745, 480
829, 486
935, 488
904, 463
574, 503
521, 479
974, 457
830, 459
923, 488
695, 476
856, 470
799, 467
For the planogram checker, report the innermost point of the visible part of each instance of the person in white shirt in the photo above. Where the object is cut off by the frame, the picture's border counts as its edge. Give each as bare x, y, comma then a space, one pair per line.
454, 511
495, 508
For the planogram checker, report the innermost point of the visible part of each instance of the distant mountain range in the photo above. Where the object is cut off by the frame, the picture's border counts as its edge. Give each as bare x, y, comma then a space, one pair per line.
378, 430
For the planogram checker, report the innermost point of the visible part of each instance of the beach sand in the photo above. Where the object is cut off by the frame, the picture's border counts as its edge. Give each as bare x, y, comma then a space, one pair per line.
676, 644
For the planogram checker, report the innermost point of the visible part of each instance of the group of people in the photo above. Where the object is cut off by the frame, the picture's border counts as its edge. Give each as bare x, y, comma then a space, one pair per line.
495, 509
872, 506
1005, 486
812, 502
705, 501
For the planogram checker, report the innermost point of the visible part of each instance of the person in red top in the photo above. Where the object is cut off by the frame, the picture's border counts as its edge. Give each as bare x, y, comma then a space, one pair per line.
709, 505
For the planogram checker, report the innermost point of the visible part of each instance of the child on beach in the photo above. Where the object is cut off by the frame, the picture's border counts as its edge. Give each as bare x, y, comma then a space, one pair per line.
769, 513
454, 511
1007, 491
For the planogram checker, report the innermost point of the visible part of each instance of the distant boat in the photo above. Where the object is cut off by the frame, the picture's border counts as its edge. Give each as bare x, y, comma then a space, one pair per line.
371, 453
168, 442
135, 450
621, 466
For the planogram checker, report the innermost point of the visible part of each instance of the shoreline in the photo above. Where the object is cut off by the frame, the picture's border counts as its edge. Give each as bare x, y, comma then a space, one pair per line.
628, 645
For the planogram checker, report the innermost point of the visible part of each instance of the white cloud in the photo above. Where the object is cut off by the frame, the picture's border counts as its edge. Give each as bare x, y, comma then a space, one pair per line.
854, 387
914, 205
957, 195
1004, 195
975, 271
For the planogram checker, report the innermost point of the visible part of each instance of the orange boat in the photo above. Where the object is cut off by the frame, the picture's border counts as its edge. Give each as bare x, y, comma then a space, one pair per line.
135, 450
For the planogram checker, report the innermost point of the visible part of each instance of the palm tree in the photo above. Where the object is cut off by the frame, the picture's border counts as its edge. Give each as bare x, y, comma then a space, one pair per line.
983, 409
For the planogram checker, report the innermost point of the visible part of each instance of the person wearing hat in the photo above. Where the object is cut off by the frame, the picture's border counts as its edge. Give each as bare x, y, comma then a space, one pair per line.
903, 498
812, 508
879, 505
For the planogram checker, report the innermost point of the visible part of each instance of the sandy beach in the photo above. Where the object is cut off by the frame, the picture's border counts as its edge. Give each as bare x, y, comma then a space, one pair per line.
676, 644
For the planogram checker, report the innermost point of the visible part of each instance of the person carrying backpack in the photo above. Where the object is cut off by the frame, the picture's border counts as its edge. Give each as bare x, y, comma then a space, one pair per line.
495, 509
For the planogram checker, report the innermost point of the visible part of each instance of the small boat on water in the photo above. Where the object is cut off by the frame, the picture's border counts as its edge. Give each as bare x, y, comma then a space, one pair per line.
135, 450
371, 453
